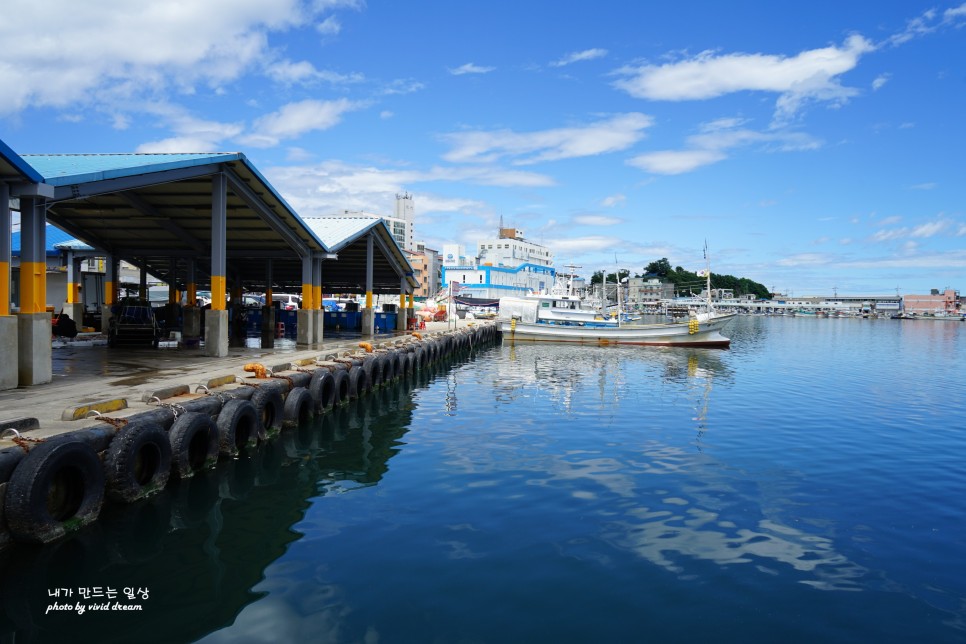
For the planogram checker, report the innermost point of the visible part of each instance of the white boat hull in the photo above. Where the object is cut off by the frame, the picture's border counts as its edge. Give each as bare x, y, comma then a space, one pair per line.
674, 334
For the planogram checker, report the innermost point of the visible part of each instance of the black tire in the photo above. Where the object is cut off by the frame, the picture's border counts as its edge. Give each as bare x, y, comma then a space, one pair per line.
374, 375
57, 488
340, 387
270, 409
389, 367
137, 463
357, 382
237, 427
322, 390
407, 364
299, 407
194, 444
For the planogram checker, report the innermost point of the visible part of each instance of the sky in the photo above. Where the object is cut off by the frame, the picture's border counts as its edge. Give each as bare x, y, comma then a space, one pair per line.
816, 147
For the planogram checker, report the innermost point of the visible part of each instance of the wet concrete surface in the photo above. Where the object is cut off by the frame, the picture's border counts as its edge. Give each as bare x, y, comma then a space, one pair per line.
88, 373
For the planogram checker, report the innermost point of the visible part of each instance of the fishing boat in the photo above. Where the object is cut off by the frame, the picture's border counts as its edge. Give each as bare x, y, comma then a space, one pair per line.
564, 317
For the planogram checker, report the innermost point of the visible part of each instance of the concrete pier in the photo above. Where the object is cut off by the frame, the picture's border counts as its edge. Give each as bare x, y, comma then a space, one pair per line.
34, 348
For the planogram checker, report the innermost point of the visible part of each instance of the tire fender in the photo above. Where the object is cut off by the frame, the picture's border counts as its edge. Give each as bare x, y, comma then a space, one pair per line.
299, 407
237, 427
56, 488
137, 463
322, 390
194, 444
270, 409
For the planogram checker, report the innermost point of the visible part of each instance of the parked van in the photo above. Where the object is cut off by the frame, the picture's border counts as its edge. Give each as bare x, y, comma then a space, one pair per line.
287, 301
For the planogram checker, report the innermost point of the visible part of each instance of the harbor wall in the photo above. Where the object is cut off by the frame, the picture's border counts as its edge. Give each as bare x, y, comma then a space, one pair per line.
54, 485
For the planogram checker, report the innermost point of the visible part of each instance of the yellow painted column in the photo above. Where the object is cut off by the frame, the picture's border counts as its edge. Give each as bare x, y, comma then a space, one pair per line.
308, 292
402, 301
33, 263
5, 248
218, 290
5, 284
317, 296
368, 299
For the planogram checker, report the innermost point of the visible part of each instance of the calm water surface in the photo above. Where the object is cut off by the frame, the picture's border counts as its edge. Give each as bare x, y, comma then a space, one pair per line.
806, 485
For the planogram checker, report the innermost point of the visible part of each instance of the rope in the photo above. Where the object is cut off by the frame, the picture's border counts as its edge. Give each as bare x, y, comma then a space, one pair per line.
174, 407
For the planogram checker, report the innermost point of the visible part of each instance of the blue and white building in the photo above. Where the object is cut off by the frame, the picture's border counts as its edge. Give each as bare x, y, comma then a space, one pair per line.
508, 265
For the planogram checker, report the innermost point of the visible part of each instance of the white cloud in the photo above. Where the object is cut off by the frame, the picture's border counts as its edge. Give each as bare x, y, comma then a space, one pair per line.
584, 244
329, 27
922, 231
191, 133
470, 68
288, 72
385, 114
597, 220
930, 185
809, 76
402, 86
880, 81
577, 56
295, 119
613, 200
675, 161
115, 49
712, 143
610, 135
331, 186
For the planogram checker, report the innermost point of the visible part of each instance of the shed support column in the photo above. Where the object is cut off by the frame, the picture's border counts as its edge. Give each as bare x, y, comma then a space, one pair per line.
191, 333
33, 323
74, 306
8, 323
319, 312
268, 310
401, 315
216, 320
143, 282
110, 291
306, 327
411, 309
368, 316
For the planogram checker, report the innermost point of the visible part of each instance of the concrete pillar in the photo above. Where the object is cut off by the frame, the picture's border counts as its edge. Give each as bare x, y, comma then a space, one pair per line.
401, 310
268, 310
192, 325
306, 320
268, 327
9, 340
33, 323
216, 320
111, 288
368, 316
74, 306
216, 333
319, 315
9, 343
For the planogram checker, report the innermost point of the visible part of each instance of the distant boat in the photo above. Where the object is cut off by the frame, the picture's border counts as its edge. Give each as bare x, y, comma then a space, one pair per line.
564, 317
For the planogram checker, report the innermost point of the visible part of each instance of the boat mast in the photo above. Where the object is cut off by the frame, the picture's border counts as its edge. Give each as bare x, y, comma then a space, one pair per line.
707, 270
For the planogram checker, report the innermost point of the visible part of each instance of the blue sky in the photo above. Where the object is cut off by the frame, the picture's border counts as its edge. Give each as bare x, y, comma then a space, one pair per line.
816, 147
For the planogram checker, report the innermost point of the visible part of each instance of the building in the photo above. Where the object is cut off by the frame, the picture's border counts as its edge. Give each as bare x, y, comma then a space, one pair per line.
401, 225
945, 303
426, 263
508, 265
648, 291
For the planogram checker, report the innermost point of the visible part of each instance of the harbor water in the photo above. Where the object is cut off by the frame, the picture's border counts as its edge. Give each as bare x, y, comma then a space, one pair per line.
807, 484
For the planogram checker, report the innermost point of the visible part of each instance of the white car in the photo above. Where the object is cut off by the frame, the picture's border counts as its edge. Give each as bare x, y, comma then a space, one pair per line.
287, 301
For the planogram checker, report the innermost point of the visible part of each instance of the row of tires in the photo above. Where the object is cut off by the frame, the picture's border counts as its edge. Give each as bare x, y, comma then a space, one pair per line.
60, 485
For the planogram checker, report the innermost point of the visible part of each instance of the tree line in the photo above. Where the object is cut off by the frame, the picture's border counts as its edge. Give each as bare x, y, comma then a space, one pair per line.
687, 282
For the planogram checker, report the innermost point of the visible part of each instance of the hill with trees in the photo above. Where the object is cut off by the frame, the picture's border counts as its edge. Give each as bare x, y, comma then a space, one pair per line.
689, 282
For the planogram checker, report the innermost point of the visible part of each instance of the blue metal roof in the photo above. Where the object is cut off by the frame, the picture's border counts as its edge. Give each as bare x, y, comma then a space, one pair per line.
10, 158
336, 232
67, 169
54, 236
